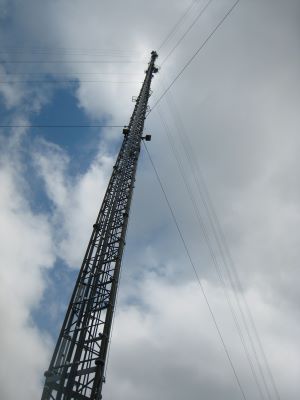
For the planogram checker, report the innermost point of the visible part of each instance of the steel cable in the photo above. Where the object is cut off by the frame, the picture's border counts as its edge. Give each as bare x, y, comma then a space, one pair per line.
211, 251
177, 24
202, 11
225, 253
196, 275
196, 53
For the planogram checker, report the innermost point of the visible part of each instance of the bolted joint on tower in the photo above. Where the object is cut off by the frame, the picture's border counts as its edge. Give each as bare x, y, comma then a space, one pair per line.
76, 370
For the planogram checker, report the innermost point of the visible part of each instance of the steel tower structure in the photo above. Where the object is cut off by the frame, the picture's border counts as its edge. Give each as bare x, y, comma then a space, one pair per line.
76, 371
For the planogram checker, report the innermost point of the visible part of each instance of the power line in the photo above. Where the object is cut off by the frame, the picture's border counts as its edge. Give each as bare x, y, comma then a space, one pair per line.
62, 53
67, 73
70, 62
82, 54
66, 81
196, 274
69, 49
61, 126
196, 53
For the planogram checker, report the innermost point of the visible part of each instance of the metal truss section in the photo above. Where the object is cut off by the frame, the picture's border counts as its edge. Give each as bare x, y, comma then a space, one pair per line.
77, 367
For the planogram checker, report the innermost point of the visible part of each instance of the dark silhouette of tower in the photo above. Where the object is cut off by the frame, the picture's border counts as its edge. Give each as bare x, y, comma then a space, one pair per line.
76, 370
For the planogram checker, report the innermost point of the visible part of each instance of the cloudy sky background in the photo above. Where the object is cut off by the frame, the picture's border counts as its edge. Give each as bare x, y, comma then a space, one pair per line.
232, 120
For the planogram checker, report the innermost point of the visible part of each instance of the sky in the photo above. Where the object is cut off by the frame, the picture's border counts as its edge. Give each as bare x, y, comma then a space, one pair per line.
212, 316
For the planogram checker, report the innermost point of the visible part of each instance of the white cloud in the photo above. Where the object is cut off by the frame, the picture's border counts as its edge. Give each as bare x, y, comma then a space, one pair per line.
26, 251
239, 103
76, 199
169, 346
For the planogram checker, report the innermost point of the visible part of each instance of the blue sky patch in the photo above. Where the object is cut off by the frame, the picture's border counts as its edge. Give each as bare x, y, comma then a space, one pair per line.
80, 143
60, 283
